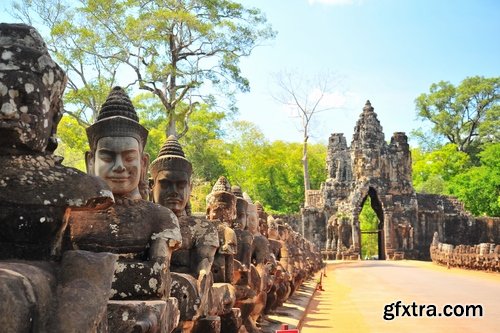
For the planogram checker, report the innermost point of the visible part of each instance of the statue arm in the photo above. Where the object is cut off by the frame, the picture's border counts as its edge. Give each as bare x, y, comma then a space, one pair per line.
205, 255
169, 239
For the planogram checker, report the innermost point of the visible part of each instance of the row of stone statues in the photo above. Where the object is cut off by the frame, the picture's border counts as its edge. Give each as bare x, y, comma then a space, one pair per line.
91, 253
484, 256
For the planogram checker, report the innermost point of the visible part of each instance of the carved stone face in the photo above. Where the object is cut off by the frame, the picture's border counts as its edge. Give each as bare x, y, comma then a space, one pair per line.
221, 210
272, 233
241, 214
252, 219
119, 161
172, 189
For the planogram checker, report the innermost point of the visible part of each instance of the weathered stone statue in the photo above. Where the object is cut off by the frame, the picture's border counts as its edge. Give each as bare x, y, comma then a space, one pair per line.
245, 288
260, 258
262, 219
221, 210
144, 234
37, 196
281, 286
192, 263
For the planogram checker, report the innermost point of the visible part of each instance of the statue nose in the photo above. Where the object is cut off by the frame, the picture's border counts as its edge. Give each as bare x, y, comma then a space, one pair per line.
119, 167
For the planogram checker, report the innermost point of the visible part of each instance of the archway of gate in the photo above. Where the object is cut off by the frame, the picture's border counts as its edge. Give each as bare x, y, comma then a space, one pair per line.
371, 235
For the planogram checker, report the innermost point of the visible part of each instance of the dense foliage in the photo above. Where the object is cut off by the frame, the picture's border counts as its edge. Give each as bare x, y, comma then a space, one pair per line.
461, 154
466, 115
184, 52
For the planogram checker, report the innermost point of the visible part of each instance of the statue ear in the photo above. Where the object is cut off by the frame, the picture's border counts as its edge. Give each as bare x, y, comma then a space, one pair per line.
89, 162
145, 166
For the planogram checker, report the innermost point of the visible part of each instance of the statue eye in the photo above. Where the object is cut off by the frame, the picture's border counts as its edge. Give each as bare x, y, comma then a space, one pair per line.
105, 157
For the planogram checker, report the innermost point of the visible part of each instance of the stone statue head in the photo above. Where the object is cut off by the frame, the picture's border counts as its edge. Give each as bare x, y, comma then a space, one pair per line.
117, 143
262, 219
252, 216
272, 230
171, 173
31, 89
240, 221
283, 229
221, 202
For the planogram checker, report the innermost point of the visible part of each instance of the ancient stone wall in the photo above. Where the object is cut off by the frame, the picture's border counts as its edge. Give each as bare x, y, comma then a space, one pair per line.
454, 225
313, 225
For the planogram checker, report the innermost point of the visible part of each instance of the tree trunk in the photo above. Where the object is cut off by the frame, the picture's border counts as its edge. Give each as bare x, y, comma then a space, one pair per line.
171, 130
305, 164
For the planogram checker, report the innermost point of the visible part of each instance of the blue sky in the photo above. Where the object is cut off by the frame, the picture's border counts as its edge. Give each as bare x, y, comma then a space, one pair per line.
387, 51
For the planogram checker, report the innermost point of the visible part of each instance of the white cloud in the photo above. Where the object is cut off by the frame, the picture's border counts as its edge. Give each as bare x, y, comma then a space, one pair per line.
332, 2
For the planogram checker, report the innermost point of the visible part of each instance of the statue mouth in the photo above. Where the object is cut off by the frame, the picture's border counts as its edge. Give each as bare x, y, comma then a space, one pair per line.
118, 179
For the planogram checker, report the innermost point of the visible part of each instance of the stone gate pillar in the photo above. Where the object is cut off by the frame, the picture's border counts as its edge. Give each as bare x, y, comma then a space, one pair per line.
389, 234
356, 236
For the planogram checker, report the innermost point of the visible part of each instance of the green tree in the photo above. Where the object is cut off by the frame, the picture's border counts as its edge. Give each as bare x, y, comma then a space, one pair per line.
74, 46
176, 49
199, 144
479, 187
72, 143
270, 172
433, 170
466, 115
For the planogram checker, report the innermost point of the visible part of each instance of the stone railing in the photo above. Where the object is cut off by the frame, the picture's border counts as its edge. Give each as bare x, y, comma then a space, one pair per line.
484, 256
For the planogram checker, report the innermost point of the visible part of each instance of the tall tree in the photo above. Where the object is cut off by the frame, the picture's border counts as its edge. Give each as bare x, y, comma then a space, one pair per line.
306, 96
176, 49
479, 187
75, 46
433, 170
466, 115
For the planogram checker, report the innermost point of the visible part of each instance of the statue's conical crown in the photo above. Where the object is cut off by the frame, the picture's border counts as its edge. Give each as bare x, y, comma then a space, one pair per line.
221, 192
171, 157
247, 198
117, 118
221, 185
171, 147
237, 191
118, 104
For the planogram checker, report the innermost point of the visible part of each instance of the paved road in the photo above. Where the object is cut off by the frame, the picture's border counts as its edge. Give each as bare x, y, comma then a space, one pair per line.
356, 292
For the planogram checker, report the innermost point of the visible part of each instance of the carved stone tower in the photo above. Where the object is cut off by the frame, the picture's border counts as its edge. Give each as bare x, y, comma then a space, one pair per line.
372, 167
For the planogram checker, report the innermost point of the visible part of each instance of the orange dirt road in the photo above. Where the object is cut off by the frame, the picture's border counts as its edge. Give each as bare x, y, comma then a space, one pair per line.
355, 293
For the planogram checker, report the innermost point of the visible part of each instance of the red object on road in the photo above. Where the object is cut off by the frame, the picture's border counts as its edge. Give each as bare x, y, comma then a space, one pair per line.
284, 329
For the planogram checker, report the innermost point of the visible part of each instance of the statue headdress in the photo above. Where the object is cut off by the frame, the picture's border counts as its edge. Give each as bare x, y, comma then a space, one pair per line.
117, 118
171, 157
221, 191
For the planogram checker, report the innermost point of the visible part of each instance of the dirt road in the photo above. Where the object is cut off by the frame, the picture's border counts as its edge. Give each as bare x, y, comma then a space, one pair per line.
357, 292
